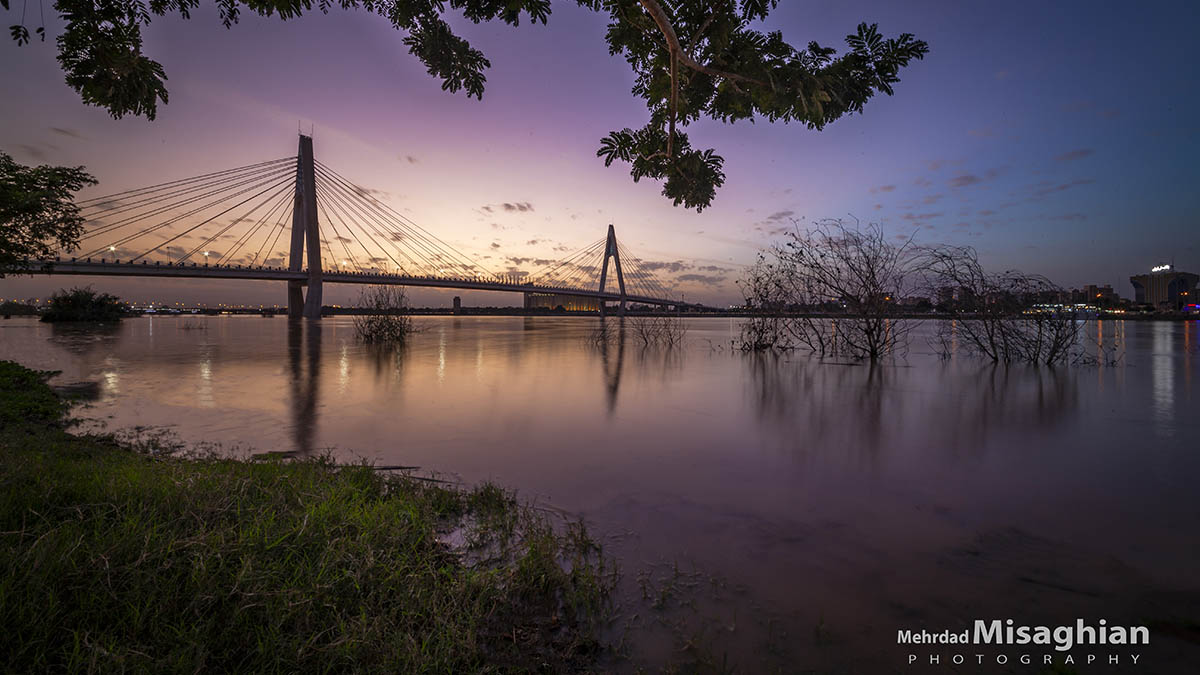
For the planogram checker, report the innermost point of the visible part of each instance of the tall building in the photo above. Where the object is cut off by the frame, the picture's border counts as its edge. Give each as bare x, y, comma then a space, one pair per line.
1165, 287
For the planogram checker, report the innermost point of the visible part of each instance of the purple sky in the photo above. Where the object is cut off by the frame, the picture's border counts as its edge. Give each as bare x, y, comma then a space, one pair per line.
1057, 138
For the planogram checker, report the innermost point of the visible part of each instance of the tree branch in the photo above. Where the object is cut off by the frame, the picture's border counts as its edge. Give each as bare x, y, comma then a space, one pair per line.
664, 26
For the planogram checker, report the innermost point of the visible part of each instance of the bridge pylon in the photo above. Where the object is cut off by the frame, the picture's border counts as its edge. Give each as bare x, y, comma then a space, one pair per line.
610, 251
306, 235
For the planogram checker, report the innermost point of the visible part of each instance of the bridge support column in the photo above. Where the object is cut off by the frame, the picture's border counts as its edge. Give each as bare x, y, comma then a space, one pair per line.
611, 251
295, 299
306, 235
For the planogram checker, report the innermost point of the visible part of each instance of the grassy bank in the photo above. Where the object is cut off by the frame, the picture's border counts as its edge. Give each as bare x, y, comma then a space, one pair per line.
112, 560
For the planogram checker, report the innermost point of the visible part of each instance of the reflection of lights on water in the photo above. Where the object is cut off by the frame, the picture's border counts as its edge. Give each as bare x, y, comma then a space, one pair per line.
441, 374
112, 383
479, 360
344, 368
205, 390
1162, 375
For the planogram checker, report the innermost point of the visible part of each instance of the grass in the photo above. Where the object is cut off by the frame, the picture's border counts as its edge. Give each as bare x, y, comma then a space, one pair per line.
113, 559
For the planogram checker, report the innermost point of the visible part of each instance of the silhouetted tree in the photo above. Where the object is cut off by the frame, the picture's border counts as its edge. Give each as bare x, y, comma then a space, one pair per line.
1007, 317
83, 304
692, 59
385, 317
852, 273
37, 211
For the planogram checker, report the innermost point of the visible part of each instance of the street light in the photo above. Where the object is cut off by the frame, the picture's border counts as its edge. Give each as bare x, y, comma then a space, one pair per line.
206, 258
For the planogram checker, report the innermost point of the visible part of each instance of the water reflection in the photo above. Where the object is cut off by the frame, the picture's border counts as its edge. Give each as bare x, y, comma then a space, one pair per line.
612, 368
82, 338
1162, 370
832, 492
304, 366
830, 404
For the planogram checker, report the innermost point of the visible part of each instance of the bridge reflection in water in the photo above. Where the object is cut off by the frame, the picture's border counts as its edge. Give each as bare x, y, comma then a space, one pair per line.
304, 365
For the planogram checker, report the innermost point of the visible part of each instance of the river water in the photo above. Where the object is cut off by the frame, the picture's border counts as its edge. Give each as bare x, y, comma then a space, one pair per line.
768, 512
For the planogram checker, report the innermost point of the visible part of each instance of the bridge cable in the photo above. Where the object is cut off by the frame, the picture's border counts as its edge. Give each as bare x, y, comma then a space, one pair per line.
153, 188
346, 212
110, 206
414, 240
285, 181
232, 223
440, 249
399, 238
171, 221
242, 181
245, 239
456, 258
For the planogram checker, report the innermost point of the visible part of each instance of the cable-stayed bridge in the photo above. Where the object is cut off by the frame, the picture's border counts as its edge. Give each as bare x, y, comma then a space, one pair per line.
297, 220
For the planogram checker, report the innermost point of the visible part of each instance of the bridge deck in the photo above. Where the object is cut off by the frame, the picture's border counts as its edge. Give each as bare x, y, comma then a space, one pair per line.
146, 269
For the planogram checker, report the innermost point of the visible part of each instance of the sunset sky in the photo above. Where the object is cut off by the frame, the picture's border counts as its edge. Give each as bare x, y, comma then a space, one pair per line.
1058, 138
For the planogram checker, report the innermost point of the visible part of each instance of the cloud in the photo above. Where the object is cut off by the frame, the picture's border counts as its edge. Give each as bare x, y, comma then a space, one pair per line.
1070, 217
534, 242
883, 188
1074, 155
495, 245
780, 215
673, 267
918, 217
931, 199
1043, 191
71, 133
369, 192
706, 279
965, 180
32, 151
521, 260
510, 207
713, 268
922, 182
982, 133
410, 159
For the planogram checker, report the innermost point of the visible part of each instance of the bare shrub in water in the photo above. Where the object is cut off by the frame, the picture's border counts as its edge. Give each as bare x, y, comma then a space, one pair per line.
1006, 318
831, 289
384, 319
649, 331
658, 331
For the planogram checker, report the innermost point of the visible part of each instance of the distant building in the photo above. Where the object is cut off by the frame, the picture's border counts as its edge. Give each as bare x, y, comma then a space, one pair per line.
553, 301
457, 304
1100, 295
1165, 288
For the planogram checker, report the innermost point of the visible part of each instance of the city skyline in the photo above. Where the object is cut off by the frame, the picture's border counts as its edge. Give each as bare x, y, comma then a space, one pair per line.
1027, 153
